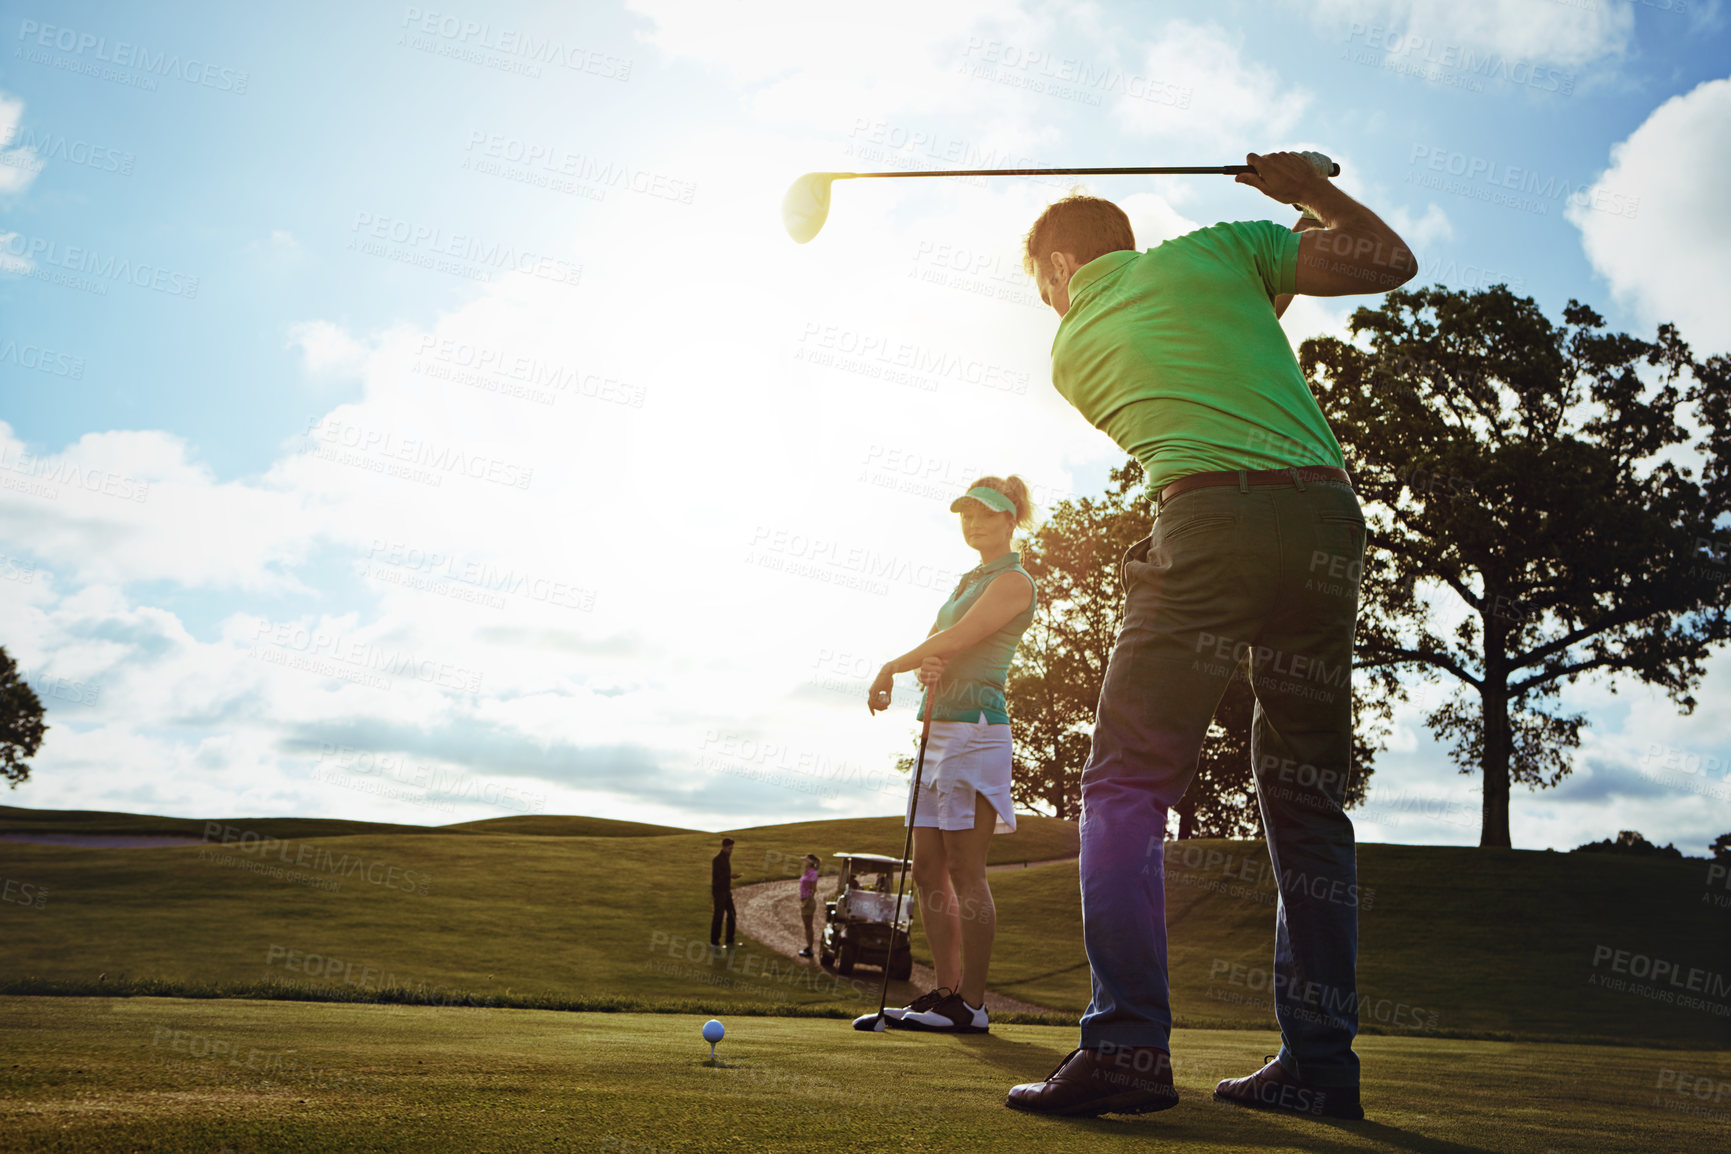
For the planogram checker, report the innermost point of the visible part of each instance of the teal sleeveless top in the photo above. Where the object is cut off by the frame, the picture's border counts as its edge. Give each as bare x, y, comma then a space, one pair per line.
973, 684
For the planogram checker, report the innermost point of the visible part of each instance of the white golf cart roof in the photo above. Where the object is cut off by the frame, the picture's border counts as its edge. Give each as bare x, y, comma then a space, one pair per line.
869, 859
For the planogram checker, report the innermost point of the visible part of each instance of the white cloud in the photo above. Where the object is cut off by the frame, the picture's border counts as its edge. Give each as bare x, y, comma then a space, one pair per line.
327, 349
1199, 89
1154, 220
279, 248
1309, 317
1423, 233
13, 262
1437, 32
18, 166
133, 506
907, 57
1654, 225
1014, 72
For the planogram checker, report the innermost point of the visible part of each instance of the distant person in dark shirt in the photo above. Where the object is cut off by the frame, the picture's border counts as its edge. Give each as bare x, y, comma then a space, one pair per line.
721, 877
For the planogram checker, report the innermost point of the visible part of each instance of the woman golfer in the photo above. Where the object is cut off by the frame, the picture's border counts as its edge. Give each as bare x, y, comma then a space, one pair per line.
964, 794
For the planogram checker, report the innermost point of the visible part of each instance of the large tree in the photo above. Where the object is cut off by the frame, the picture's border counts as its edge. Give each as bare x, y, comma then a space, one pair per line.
21, 727
1542, 502
1055, 680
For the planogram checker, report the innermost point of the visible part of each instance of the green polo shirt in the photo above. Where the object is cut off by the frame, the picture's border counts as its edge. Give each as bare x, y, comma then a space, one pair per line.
1176, 354
973, 684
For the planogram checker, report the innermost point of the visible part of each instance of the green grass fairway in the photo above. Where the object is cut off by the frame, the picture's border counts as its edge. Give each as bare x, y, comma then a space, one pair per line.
148, 1074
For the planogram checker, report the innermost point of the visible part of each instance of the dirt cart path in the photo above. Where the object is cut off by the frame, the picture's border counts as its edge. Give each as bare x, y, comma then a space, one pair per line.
769, 913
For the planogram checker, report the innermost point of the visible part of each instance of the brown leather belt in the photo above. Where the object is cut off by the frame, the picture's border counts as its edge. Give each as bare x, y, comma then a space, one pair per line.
1254, 477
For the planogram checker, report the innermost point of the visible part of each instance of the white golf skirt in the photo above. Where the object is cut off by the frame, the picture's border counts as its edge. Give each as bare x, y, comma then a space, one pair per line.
964, 758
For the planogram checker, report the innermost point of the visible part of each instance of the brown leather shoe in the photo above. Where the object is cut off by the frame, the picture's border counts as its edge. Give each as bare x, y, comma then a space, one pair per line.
1272, 1088
1108, 1080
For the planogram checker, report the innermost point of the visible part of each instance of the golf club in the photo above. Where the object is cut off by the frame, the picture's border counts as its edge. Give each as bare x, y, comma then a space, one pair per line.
875, 1022
806, 205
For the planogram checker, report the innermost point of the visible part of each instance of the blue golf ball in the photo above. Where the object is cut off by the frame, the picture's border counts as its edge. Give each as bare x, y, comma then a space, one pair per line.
713, 1031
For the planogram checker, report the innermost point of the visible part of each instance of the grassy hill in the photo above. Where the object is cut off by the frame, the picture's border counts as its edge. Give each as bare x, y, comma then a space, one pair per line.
1454, 941
55, 821
772, 851
560, 825
623, 919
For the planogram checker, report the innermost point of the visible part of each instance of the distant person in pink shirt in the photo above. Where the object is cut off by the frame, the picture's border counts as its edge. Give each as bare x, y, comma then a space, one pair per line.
808, 899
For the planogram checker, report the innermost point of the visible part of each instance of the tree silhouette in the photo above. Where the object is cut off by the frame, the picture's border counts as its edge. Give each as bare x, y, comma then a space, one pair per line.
21, 727
1629, 842
1542, 502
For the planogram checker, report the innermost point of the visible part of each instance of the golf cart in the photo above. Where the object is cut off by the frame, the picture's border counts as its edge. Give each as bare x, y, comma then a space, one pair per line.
857, 923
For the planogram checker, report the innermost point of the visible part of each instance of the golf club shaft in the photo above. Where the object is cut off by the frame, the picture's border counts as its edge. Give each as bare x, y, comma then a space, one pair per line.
907, 848
1210, 170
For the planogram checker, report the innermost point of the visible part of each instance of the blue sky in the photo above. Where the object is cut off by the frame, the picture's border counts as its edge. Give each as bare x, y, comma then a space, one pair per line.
417, 413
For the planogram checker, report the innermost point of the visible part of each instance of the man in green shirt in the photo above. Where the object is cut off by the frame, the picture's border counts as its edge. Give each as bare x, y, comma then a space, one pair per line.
1251, 569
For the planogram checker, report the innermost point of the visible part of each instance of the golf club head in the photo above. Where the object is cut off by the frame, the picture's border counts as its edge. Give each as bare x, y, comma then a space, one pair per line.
806, 205
874, 1023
